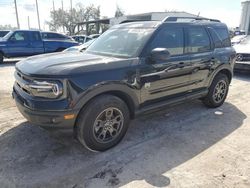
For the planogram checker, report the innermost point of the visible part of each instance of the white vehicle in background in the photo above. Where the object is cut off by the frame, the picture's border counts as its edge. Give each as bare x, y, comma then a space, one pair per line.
80, 48
81, 38
243, 54
237, 39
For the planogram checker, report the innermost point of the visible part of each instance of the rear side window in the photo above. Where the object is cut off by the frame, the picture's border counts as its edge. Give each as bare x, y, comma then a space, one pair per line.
198, 40
170, 38
223, 33
35, 36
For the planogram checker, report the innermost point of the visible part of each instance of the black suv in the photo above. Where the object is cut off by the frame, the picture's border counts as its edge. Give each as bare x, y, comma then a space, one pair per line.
132, 68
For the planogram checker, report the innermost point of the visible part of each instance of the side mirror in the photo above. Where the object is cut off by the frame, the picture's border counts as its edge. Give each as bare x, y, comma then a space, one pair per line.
160, 54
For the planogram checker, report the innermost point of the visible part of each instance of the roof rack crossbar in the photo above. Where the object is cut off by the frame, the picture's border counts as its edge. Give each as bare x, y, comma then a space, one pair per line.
175, 19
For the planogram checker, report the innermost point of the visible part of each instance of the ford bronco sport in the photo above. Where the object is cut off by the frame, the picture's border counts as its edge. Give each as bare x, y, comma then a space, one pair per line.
132, 68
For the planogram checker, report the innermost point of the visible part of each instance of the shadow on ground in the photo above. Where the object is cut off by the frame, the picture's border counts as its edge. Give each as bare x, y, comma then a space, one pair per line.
8, 64
242, 75
154, 144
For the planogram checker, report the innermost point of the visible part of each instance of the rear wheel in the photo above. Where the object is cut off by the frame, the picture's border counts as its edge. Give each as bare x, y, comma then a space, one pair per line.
102, 123
1, 58
60, 49
217, 92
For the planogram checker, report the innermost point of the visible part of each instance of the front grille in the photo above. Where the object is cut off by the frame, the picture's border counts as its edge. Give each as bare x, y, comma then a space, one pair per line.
243, 57
22, 82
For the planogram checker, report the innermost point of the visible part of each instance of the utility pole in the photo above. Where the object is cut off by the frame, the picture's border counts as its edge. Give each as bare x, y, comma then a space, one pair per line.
17, 20
71, 7
38, 19
29, 22
63, 26
53, 6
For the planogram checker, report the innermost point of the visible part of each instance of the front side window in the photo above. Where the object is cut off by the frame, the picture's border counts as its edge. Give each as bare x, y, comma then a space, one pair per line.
198, 40
170, 38
121, 42
19, 36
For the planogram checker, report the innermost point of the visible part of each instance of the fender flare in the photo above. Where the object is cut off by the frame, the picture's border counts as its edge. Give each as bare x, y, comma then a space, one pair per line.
225, 68
127, 93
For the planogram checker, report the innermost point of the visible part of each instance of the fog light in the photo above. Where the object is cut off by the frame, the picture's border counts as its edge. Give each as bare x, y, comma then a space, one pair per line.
69, 116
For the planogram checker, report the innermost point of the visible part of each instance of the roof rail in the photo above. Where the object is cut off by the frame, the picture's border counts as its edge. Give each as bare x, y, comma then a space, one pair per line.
128, 21
175, 19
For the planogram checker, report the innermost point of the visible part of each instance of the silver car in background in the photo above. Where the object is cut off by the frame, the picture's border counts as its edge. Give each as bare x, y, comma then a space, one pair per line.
243, 54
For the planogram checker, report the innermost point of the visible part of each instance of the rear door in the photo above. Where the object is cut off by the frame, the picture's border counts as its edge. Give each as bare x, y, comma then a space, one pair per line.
170, 78
199, 48
36, 42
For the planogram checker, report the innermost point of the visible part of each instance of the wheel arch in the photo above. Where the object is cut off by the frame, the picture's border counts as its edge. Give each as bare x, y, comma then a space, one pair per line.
222, 70
125, 93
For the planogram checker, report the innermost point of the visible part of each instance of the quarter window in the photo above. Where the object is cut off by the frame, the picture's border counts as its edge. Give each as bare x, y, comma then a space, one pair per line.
224, 36
216, 39
198, 40
170, 38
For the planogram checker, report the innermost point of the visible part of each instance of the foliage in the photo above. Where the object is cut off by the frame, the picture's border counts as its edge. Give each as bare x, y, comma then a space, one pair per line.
69, 19
7, 27
119, 12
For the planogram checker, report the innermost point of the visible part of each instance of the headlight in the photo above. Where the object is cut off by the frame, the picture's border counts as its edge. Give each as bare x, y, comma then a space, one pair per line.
46, 89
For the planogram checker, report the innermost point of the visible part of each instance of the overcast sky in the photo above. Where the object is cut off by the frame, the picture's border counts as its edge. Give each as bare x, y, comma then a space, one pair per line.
228, 11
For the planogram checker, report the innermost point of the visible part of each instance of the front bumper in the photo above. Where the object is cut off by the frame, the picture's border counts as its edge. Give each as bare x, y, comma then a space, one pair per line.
242, 65
53, 119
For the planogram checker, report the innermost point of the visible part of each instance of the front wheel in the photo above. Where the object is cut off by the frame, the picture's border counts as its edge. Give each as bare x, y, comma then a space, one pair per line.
102, 123
217, 92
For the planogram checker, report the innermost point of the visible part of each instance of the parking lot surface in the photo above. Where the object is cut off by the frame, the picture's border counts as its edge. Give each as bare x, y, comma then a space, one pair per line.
187, 145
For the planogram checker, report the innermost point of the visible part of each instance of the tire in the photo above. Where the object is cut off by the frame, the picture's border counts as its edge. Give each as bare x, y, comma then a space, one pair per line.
1, 58
60, 49
217, 91
102, 123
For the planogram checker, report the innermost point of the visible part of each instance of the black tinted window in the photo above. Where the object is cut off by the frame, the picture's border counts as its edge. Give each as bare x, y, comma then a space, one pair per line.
223, 33
170, 38
198, 40
35, 36
216, 39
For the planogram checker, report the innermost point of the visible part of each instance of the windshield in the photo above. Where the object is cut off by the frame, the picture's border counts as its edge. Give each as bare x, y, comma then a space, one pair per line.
125, 42
6, 37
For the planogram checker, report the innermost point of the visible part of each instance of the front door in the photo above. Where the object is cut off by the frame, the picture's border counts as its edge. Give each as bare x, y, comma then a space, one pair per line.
19, 44
166, 79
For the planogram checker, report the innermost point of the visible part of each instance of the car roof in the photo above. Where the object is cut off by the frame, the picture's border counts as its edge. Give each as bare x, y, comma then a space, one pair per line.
138, 24
51, 32
155, 24
79, 36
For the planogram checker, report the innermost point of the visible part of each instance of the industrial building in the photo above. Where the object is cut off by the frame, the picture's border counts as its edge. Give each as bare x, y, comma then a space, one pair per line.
97, 25
245, 17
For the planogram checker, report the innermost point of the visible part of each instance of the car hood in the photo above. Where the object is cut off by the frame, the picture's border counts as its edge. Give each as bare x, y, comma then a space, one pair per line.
242, 48
69, 63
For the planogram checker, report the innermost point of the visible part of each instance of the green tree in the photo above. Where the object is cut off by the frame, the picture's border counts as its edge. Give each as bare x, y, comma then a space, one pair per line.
7, 27
119, 12
69, 19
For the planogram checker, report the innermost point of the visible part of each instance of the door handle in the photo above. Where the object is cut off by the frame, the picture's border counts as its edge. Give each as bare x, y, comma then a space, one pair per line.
213, 60
181, 65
